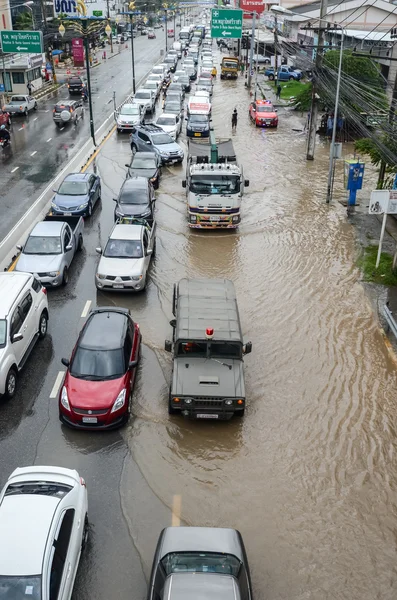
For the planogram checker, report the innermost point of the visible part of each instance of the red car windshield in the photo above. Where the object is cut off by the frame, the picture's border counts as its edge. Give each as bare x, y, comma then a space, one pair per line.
264, 109
94, 365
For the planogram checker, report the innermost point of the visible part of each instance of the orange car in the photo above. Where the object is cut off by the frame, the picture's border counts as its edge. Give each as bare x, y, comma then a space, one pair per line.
263, 113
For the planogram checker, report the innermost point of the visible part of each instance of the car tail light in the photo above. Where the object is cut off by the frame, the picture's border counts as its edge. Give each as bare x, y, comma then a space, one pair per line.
82, 482
44, 290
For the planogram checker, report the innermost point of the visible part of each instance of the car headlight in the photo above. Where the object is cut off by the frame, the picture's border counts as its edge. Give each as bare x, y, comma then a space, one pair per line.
119, 402
193, 218
236, 219
188, 400
119, 213
100, 276
146, 213
164, 153
53, 274
136, 277
54, 205
229, 402
84, 205
65, 399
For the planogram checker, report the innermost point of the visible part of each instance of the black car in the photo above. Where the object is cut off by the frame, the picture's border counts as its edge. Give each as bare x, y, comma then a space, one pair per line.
146, 164
200, 562
198, 126
75, 85
136, 199
170, 62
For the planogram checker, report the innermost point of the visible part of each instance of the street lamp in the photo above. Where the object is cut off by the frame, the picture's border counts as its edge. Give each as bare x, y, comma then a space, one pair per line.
81, 24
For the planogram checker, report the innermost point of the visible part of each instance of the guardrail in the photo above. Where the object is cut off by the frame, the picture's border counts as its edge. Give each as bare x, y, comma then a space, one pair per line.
391, 323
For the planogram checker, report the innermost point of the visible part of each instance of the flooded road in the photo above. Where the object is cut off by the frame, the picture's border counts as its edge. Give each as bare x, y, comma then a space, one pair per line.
309, 475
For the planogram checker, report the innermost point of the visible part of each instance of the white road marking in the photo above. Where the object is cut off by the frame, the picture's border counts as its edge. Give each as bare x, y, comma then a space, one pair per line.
35, 119
20, 129
49, 140
14, 169
57, 384
47, 110
33, 153
176, 511
61, 129
86, 309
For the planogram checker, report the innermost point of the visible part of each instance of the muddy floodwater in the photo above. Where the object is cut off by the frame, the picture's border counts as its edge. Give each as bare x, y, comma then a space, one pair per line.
309, 475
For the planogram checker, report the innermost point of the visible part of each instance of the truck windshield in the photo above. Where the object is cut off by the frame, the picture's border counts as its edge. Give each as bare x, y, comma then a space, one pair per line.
215, 184
42, 245
201, 562
13, 588
225, 350
192, 349
230, 64
123, 249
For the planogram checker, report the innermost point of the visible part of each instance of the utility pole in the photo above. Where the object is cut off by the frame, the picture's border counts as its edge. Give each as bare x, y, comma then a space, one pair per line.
275, 50
311, 140
332, 149
111, 33
251, 50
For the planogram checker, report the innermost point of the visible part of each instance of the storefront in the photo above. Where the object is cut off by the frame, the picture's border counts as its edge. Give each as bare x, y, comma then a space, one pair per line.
19, 70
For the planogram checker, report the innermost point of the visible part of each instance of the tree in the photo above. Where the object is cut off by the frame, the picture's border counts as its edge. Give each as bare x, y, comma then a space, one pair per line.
24, 21
383, 154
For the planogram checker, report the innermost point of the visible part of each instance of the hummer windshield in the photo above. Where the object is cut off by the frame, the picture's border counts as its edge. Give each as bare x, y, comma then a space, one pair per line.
215, 184
209, 349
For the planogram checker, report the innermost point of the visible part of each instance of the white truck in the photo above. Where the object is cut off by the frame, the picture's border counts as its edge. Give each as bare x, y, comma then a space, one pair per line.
214, 185
20, 104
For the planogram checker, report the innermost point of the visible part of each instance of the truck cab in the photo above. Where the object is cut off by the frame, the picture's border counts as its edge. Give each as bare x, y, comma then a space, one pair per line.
229, 67
208, 349
214, 190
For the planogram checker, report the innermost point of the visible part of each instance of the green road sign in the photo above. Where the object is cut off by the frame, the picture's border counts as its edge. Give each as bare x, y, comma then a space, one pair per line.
226, 23
97, 13
22, 41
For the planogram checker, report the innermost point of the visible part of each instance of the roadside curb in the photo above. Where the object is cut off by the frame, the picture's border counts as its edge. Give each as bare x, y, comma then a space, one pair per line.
389, 346
48, 91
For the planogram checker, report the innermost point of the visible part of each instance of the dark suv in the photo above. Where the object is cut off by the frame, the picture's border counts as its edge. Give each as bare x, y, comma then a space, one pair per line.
150, 138
75, 85
68, 111
136, 199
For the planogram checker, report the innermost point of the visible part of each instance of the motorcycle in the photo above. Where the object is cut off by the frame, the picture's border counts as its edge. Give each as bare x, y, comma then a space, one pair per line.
4, 142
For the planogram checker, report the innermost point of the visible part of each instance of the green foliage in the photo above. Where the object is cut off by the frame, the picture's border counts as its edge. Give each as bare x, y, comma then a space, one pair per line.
360, 68
24, 21
304, 96
384, 273
371, 148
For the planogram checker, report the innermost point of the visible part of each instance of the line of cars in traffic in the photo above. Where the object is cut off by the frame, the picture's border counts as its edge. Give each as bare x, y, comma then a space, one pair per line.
45, 509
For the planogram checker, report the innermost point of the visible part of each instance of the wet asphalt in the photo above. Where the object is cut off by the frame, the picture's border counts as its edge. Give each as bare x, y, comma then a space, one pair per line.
39, 150
308, 475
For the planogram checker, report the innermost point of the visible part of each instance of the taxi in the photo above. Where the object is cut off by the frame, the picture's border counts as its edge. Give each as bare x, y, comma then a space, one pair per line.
263, 113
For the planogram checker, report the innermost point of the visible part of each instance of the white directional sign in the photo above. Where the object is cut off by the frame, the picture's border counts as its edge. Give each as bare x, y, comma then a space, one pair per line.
383, 201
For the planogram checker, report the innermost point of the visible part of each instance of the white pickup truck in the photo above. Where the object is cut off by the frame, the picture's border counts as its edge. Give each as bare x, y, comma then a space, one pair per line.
21, 104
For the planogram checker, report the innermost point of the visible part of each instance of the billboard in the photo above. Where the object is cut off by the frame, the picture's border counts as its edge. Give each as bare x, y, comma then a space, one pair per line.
69, 8
257, 6
78, 52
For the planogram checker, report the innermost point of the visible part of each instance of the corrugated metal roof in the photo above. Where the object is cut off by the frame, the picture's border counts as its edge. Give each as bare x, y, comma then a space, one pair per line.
203, 303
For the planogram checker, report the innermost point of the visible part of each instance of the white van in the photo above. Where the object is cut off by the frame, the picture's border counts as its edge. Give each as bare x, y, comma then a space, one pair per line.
23, 320
177, 46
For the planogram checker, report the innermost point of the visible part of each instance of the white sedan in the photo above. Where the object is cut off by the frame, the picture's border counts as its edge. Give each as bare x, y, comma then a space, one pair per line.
126, 257
171, 124
44, 528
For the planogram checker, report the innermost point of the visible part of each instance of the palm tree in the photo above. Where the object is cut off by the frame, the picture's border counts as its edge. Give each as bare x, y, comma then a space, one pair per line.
24, 21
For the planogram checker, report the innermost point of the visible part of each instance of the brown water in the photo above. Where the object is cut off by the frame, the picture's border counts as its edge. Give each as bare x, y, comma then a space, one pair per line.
309, 475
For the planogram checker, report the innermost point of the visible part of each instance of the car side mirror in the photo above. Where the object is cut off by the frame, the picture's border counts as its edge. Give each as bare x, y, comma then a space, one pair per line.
69, 247
149, 142
246, 182
149, 252
247, 348
173, 323
98, 250
114, 199
19, 247
55, 191
168, 346
65, 362
17, 337
132, 364
275, 110
128, 166
184, 183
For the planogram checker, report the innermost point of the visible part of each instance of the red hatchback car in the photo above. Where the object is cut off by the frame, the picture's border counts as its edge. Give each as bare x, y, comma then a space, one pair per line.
263, 113
97, 390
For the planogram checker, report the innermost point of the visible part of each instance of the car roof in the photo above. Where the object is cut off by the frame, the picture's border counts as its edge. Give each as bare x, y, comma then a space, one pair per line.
65, 102
78, 177
126, 232
104, 330
204, 303
201, 539
170, 115
135, 183
196, 586
264, 102
25, 521
151, 155
11, 283
47, 229
129, 105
